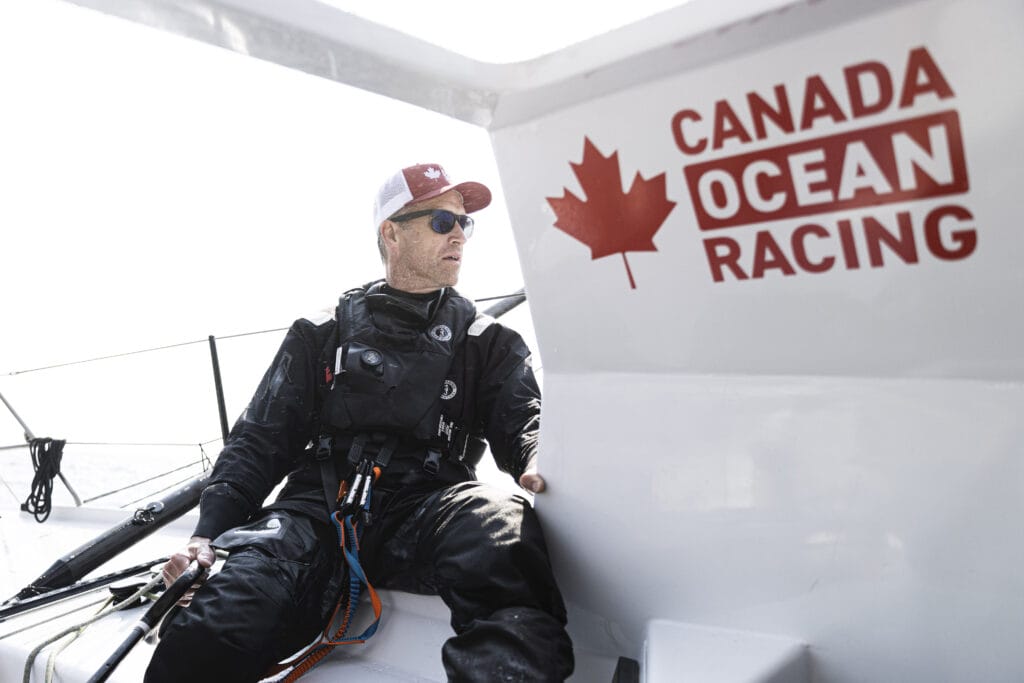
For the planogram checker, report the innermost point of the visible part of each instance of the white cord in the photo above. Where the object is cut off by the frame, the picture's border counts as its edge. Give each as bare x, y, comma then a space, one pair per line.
27, 678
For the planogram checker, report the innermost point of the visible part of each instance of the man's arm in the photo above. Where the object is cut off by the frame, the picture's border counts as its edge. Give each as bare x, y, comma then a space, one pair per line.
510, 401
266, 439
260, 449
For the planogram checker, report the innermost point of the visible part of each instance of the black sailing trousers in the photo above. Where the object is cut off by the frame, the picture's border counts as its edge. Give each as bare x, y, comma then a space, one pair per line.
481, 549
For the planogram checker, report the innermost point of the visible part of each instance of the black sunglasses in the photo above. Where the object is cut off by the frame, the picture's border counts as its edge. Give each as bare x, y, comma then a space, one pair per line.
441, 221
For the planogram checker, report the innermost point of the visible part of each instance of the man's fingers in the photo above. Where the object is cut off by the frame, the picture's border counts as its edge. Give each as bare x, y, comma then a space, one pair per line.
531, 481
174, 567
198, 550
205, 556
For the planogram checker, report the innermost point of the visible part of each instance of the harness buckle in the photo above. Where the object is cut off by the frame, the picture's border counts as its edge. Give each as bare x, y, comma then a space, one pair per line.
324, 448
432, 463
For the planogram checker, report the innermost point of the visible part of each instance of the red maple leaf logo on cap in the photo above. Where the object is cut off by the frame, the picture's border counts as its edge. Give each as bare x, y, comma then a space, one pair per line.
610, 221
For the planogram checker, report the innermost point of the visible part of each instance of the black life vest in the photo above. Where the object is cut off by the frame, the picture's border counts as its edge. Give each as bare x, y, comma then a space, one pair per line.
412, 385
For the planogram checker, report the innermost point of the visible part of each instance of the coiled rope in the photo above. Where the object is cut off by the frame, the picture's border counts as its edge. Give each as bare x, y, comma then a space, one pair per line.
46, 457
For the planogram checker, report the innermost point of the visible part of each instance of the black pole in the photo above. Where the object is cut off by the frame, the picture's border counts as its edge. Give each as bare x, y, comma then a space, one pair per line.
56, 595
506, 304
142, 523
150, 619
222, 410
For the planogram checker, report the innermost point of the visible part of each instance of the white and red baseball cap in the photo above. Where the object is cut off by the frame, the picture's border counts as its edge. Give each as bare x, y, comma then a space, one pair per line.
421, 182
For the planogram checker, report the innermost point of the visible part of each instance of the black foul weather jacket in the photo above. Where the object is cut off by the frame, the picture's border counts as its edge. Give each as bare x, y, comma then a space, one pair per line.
326, 381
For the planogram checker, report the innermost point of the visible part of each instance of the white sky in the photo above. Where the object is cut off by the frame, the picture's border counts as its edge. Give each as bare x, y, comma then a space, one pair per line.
155, 190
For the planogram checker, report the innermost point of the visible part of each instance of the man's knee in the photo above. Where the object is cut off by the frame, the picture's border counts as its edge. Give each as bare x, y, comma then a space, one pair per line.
485, 523
490, 553
258, 609
477, 508
228, 629
511, 644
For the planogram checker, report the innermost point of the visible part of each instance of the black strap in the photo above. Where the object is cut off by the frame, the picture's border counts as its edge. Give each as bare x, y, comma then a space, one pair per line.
381, 448
328, 473
387, 449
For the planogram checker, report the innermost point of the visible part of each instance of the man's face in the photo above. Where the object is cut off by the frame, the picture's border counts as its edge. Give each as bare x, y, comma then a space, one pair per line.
421, 260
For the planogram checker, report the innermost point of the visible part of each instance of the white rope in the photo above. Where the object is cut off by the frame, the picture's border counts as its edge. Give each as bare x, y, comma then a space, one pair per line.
51, 662
27, 678
50, 620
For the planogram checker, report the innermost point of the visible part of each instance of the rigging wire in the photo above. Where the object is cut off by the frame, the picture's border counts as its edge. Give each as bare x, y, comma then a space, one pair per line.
46, 453
205, 459
204, 462
200, 341
201, 461
137, 443
150, 495
8, 487
132, 353
50, 619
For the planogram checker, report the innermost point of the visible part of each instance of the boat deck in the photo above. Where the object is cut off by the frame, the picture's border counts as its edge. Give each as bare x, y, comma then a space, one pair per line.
415, 624
406, 647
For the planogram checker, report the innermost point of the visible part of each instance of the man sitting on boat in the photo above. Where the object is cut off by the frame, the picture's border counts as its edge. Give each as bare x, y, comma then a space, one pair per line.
395, 396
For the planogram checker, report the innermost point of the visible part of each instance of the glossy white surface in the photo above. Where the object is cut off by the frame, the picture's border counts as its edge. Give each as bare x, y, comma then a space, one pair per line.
930, 318
875, 520
684, 652
832, 457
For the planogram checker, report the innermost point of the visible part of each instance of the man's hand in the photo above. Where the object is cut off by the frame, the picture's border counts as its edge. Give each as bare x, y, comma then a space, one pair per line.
531, 481
197, 550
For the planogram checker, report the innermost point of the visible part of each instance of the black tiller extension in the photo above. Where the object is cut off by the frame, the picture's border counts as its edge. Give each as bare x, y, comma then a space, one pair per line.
150, 619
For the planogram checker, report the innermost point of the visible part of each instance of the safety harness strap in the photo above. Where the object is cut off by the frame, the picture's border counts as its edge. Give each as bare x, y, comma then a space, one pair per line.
359, 457
351, 510
349, 541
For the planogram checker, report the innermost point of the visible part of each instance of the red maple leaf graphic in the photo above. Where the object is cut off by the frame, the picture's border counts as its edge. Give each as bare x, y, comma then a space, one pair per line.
610, 221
